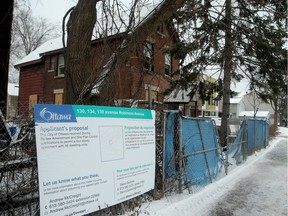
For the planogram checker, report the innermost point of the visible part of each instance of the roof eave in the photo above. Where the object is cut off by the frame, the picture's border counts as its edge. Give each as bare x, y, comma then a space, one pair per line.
25, 64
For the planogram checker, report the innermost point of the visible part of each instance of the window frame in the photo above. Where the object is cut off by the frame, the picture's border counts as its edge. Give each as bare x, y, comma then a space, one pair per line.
60, 66
168, 64
148, 56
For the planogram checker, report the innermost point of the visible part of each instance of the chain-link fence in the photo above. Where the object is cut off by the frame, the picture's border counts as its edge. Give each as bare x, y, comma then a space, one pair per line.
18, 167
252, 136
188, 157
192, 156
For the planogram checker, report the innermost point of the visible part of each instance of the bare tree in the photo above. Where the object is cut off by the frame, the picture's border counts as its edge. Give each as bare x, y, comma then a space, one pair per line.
28, 33
80, 82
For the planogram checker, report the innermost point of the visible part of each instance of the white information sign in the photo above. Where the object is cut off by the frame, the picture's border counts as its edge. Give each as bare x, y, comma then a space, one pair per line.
92, 157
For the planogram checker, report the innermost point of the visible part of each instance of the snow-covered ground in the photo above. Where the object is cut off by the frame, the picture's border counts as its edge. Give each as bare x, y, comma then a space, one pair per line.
256, 187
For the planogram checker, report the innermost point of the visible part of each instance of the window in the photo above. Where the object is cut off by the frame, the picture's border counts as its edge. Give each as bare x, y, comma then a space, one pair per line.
168, 64
154, 92
58, 96
160, 28
148, 56
154, 95
61, 66
213, 113
215, 102
51, 66
33, 99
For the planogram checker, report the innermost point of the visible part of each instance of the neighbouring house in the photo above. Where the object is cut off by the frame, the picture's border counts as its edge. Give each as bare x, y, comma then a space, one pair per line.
212, 108
179, 99
42, 72
253, 103
236, 106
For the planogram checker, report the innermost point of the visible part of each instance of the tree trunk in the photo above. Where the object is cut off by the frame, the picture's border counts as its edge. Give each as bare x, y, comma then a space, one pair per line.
78, 53
228, 65
6, 17
276, 108
160, 14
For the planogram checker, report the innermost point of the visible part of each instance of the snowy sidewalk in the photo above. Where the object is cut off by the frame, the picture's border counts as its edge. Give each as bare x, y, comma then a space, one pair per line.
256, 187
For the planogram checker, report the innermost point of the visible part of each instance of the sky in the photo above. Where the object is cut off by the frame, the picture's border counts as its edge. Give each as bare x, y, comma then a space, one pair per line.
53, 10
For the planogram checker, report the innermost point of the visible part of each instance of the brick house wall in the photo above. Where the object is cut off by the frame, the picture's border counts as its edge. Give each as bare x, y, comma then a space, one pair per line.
31, 83
130, 82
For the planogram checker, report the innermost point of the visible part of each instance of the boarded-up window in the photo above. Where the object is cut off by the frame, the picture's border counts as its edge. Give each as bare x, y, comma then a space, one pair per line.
154, 95
58, 99
58, 96
32, 102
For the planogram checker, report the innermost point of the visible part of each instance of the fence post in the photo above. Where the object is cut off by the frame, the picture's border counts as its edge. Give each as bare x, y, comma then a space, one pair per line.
245, 140
180, 151
149, 97
203, 147
164, 151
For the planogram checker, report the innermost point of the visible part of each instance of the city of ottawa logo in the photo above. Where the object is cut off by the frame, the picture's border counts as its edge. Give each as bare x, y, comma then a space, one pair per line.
53, 116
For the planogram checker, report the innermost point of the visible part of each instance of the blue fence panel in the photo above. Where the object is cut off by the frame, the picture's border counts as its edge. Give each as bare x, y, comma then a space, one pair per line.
209, 135
258, 134
267, 127
169, 153
199, 135
235, 150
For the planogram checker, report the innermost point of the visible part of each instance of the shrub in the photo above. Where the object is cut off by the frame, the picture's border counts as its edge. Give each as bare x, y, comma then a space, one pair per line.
273, 131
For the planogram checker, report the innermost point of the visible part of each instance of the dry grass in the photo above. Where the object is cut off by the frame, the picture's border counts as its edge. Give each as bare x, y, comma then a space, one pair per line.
273, 131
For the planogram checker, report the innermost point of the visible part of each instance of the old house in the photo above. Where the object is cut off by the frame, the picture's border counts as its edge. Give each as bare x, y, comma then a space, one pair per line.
42, 72
179, 99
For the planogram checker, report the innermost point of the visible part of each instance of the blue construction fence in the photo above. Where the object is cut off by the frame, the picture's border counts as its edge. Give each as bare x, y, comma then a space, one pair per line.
193, 157
252, 136
191, 152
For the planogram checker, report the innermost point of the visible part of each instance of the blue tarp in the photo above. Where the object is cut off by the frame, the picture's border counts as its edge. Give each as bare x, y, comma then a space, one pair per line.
197, 135
258, 134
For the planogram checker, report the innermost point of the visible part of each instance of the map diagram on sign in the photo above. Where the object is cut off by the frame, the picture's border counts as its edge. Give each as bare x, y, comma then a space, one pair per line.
111, 143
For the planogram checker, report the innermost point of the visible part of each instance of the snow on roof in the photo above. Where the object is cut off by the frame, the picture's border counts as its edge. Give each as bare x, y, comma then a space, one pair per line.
235, 100
35, 55
177, 96
13, 89
259, 114
105, 26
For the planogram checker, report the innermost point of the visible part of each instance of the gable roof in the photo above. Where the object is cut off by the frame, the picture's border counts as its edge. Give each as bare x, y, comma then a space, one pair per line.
105, 27
177, 96
35, 55
235, 100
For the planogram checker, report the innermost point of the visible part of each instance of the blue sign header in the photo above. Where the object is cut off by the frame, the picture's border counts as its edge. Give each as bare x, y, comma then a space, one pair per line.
53, 113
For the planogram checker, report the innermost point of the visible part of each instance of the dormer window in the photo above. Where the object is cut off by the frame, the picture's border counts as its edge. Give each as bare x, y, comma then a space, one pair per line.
148, 56
61, 66
168, 64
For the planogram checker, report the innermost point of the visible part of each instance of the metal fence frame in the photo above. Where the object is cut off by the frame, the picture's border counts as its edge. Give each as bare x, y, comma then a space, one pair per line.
19, 160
